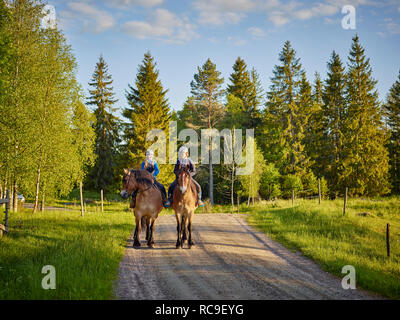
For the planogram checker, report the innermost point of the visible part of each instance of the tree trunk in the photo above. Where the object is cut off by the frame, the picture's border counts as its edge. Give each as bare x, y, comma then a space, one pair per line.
15, 197
232, 185
81, 195
43, 195
35, 207
211, 181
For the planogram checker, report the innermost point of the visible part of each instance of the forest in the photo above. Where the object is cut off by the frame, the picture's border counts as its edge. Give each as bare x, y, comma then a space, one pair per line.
335, 131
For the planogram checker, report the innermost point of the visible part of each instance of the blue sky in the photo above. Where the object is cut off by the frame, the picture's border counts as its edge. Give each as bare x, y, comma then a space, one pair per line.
181, 35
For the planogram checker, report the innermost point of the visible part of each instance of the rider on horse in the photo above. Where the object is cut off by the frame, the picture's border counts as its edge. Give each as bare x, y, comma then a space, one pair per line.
150, 164
183, 161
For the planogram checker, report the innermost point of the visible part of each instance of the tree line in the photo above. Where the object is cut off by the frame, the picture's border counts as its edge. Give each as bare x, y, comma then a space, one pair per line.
46, 133
52, 136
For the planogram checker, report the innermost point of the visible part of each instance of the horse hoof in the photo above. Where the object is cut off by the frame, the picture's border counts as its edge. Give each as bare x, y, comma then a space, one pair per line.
150, 245
136, 245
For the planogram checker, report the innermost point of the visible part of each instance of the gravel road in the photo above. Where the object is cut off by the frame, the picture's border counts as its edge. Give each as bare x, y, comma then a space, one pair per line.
230, 260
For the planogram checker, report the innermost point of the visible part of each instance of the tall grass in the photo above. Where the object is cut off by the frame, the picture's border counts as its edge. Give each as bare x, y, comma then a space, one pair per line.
85, 252
322, 233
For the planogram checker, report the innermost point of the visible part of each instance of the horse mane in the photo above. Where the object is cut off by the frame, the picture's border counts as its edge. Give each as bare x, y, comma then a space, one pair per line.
143, 177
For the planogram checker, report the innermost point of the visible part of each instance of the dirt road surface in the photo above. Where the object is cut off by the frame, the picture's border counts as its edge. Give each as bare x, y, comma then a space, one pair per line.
230, 261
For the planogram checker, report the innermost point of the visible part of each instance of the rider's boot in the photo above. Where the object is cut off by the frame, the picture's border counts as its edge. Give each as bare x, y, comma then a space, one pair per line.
168, 202
200, 202
164, 201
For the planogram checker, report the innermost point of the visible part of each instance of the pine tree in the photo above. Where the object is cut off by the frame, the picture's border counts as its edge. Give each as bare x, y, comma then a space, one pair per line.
245, 85
106, 128
148, 109
314, 130
392, 113
334, 110
205, 106
366, 163
286, 115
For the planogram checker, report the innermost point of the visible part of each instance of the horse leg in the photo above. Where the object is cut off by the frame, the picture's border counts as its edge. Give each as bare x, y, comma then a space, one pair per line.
147, 229
150, 242
136, 241
184, 235
190, 225
178, 230
183, 230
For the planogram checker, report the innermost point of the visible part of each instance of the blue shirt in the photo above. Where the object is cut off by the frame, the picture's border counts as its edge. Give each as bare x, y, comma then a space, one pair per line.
153, 169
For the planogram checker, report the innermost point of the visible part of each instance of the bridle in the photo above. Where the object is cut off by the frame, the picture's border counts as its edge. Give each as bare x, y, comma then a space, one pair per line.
185, 172
129, 180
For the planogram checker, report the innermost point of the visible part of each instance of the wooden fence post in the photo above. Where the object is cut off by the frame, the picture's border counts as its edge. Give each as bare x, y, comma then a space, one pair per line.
102, 210
388, 239
292, 197
319, 190
7, 208
345, 201
81, 193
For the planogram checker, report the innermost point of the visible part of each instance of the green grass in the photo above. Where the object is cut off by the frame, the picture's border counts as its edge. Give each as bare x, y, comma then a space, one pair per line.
85, 252
322, 233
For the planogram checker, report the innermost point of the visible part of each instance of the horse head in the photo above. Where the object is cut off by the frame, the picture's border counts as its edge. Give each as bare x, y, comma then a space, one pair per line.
184, 178
129, 184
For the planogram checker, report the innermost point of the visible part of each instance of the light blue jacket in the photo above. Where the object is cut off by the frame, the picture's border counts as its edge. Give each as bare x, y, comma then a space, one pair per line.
154, 170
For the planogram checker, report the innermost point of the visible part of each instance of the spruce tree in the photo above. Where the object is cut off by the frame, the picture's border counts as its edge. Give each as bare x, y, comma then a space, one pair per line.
366, 162
334, 110
148, 109
392, 113
286, 115
314, 133
106, 128
245, 86
205, 106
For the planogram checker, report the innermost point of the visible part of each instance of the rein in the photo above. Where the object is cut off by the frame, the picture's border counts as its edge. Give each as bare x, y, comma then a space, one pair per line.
129, 180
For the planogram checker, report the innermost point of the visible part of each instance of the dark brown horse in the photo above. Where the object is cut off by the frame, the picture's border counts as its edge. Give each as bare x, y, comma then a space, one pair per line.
184, 204
148, 202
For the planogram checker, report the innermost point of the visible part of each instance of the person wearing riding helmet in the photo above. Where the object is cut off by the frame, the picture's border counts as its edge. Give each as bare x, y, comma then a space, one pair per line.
151, 165
184, 160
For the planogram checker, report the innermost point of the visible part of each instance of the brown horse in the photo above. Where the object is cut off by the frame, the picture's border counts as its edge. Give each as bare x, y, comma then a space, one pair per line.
148, 202
184, 204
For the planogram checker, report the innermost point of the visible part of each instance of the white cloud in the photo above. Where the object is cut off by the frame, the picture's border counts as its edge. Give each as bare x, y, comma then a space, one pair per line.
122, 4
278, 18
87, 16
237, 41
164, 25
219, 12
391, 26
256, 32
319, 9
279, 12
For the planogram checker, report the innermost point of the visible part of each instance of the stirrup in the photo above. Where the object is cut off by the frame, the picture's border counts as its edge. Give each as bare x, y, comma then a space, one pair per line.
167, 204
201, 203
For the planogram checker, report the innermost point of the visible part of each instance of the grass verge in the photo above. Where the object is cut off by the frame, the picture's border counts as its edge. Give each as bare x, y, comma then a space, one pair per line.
85, 252
322, 233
